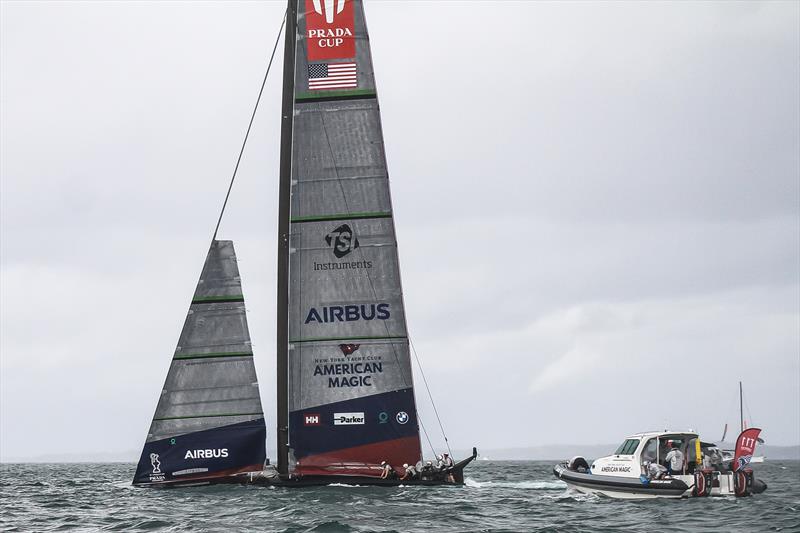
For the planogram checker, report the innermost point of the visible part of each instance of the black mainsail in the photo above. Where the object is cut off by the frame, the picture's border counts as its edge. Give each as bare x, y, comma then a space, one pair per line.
209, 423
343, 352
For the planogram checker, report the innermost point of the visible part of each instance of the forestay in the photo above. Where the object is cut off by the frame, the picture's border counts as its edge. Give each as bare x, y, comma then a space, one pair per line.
351, 398
209, 422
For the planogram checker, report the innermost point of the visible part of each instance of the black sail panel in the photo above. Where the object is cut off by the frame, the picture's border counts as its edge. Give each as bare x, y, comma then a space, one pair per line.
351, 396
209, 422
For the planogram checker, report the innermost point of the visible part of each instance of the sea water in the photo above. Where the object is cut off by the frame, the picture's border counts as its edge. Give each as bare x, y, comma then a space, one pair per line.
499, 496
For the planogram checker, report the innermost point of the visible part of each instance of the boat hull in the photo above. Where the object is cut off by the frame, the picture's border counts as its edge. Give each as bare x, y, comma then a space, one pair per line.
634, 488
453, 477
621, 487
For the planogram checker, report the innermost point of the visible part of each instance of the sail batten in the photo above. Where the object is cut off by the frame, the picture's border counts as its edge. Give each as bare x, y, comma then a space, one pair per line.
350, 384
209, 416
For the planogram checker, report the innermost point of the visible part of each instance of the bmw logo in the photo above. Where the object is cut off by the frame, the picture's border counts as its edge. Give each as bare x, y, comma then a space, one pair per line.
402, 417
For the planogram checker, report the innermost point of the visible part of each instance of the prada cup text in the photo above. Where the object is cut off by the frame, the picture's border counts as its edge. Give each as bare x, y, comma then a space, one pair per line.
330, 37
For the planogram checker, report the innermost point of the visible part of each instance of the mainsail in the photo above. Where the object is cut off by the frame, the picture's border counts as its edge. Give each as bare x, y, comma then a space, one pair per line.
350, 390
209, 423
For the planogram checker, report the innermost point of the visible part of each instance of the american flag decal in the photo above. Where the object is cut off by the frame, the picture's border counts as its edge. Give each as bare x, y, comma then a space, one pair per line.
332, 76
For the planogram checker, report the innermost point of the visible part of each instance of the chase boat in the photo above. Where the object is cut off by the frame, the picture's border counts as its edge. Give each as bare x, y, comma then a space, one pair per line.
630, 473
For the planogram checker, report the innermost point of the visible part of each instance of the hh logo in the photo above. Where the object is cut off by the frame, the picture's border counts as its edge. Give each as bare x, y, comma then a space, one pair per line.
330, 29
311, 420
342, 241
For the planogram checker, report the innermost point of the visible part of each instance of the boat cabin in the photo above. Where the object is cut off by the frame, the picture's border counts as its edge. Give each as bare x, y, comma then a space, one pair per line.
631, 457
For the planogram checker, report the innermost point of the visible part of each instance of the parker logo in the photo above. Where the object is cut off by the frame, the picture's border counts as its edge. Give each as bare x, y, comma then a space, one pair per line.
311, 419
208, 453
330, 29
348, 419
342, 241
327, 8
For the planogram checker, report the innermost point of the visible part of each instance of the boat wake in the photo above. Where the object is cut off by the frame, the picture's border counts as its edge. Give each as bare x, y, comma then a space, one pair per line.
525, 485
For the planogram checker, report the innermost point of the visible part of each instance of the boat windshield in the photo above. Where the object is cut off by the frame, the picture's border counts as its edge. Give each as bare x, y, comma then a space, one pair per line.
627, 447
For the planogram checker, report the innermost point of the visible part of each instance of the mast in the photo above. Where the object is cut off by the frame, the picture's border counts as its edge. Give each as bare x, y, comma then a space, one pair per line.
282, 332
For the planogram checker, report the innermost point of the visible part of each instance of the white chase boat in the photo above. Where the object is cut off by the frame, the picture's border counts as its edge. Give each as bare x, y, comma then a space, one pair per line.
631, 472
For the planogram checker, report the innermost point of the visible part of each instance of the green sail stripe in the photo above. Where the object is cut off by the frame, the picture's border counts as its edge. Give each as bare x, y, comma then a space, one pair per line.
212, 355
355, 93
341, 216
322, 339
204, 416
221, 298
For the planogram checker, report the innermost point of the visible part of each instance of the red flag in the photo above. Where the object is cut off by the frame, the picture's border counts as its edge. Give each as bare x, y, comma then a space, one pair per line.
745, 447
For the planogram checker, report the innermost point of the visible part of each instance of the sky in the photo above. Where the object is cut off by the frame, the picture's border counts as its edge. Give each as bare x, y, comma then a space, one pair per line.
597, 210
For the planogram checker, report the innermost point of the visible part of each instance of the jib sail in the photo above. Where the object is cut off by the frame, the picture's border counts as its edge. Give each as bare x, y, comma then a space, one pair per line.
350, 390
209, 423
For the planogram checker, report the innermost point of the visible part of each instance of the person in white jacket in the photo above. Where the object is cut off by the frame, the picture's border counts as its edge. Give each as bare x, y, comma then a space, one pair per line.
674, 460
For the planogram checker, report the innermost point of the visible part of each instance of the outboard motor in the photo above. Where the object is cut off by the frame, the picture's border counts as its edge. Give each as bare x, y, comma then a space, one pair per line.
578, 464
703, 480
743, 482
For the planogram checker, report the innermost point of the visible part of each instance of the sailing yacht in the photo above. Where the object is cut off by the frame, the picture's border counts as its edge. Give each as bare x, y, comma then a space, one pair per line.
344, 394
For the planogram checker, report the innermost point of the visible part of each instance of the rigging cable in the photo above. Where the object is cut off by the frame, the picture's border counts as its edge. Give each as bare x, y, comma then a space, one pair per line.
249, 126
430, 396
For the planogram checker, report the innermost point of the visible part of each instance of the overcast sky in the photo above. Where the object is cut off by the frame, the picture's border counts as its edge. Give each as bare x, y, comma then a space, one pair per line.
597, 208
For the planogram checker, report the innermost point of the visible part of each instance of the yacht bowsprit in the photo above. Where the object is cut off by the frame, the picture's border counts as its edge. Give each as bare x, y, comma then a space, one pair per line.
344, 394
645, 466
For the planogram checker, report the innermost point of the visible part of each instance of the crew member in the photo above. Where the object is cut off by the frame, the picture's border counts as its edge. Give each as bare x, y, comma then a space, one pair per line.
654, 470
674, 460
448, 461
410, 473
427, 470
387, 470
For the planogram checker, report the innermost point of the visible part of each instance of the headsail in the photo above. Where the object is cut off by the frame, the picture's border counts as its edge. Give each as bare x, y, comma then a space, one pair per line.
209, 422
351, 396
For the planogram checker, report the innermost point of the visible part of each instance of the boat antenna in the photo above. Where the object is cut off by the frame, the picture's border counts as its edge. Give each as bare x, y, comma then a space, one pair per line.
249, 126
741, 409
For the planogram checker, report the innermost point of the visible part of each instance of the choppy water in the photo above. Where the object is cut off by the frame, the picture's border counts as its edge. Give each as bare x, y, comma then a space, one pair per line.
499, 496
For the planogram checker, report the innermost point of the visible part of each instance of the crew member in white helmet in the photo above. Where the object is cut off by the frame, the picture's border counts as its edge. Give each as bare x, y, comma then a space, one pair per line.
387, 470
411, 472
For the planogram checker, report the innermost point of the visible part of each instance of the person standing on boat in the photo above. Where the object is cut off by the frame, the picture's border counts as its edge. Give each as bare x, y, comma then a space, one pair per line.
447, 460
674, 460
